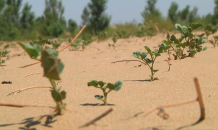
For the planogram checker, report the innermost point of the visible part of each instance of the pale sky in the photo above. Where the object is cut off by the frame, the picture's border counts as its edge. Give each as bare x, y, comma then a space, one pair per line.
122, 10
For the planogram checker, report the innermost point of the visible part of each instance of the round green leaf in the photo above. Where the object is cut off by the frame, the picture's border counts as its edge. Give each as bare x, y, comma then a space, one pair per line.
136, 54
93, 83
100, 97
118, 85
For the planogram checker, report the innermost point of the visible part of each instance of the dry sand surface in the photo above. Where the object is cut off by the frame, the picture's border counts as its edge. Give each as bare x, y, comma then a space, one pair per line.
137, 95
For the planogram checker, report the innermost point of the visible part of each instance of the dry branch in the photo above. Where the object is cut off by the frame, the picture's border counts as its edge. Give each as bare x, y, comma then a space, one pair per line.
20, 90
61, 48
32, 74
97, 118
20, 106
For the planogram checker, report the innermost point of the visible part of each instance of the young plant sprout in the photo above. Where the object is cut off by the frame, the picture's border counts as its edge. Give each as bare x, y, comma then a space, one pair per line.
148, 61
114, 40
209, 30
3, 53
106, 89
52, 67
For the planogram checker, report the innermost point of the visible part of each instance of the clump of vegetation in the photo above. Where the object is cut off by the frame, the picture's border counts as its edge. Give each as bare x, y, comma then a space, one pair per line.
105, 88
149, 61
3, 53
79, 43
187, 41
209, 30
114, 41
42, 42
52, 67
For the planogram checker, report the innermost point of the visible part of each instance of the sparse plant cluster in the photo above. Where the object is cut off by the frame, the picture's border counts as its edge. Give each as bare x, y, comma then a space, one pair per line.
43, 42
114, 41
209, 30
3, 53
192, 43
187, 41
79, 44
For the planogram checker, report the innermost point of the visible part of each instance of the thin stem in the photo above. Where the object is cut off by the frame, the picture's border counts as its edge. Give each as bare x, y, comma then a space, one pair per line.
57, 103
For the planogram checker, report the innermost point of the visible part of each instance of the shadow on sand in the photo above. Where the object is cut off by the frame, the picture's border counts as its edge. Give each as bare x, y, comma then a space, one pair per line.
29, 123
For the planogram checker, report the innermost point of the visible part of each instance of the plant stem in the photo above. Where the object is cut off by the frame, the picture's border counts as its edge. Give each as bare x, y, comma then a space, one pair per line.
57, 103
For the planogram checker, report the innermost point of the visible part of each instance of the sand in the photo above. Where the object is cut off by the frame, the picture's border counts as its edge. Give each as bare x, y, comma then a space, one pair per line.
138, 95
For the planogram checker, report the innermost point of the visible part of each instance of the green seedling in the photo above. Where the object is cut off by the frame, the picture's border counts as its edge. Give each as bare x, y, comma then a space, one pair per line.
2, 54
188, 40
114, 41
105, 88
149, 61
209, 30
55, 44
80, 43
52, 67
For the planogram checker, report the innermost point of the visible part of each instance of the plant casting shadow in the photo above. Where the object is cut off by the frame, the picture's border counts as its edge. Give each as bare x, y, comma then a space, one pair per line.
33, 121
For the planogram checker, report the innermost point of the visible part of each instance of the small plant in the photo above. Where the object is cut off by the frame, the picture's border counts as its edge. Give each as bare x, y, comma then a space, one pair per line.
114, 40
187, 41
148, 61
42, 42
80, 43
52, 67
209, 30
2, 54
106, 89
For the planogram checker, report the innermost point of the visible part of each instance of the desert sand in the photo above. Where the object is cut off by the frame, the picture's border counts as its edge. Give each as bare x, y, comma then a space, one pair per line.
137, 96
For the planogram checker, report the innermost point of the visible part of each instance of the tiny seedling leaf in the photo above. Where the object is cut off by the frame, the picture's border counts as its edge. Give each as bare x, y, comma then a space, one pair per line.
111, 86
93, 83
148, 50
136, 54
118, 85
100, 97
63, 95
101, 83
205, 48
143, 55
56, 95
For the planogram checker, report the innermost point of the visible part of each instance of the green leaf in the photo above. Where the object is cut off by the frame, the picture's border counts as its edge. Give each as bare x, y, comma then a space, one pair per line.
136, 54
156, 53
178, 27
63, 95
118, 85
32, 51
148, 50
56, 95
143, 55
111, 86
204, 41
148, 60
155, 71
3, 61
205, 48
208, 28
52, 66
100, 97
211, 41
173, 38
93, 83
62, 106
196, 25
101, 83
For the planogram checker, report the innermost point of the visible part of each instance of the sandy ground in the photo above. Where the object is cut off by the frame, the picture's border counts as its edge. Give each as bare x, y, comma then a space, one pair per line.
136, 96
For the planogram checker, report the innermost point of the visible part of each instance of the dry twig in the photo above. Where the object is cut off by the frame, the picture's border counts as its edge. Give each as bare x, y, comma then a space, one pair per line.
20, 90
32, 74
97, 118
20, 106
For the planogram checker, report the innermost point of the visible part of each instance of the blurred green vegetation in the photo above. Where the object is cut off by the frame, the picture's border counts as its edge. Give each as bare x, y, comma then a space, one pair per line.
21, 23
